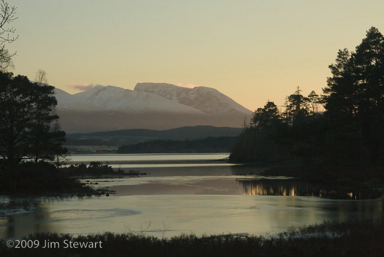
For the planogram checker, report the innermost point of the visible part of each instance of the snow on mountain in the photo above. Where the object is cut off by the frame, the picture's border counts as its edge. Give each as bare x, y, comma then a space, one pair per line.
67, 101
150, 105
205, 99
119, 99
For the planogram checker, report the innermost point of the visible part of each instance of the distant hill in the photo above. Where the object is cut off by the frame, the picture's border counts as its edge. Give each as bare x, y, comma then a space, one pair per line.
149, 106
133, 136
202, 145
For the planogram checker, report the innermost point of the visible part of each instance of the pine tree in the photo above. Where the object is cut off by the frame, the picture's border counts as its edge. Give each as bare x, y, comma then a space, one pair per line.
354, 96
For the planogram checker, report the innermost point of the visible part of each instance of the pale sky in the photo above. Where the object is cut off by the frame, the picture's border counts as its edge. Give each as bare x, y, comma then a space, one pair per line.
250, 50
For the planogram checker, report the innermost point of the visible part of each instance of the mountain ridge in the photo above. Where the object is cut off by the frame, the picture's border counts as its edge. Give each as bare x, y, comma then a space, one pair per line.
205, 99
149, 105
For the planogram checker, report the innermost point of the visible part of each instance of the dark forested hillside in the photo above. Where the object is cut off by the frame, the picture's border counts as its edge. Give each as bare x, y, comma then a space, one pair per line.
205, 145
133, 136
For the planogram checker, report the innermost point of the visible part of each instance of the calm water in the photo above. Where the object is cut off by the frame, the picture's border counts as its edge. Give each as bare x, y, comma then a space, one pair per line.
174, 198
153, 160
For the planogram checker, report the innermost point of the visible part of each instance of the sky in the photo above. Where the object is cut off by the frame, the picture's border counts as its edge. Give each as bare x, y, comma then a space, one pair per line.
251, 50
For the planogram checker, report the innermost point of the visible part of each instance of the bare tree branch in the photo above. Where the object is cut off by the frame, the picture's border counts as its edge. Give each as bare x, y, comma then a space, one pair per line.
7, 15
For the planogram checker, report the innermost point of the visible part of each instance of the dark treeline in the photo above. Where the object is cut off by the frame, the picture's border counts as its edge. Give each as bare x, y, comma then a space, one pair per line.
274, 136
205, 145
91, 141
342, 127
133, 136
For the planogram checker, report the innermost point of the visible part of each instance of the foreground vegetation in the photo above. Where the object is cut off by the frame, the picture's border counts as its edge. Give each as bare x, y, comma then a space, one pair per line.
328, 239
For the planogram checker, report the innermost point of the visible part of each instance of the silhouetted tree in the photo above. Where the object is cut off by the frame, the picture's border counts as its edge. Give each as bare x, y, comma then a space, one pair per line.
45, 140
260, 140
266, 116
26, 119
314, 102
351, 130
296, 106
354, 97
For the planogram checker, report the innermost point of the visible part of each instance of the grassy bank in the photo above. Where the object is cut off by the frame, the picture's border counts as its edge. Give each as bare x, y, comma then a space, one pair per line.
327, 239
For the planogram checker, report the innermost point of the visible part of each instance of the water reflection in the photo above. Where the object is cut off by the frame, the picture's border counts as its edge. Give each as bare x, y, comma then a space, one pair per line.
145, 158
283, 187
22, 216
224, 180
210, 199
254, 184
208, 214
293, 187
259, 188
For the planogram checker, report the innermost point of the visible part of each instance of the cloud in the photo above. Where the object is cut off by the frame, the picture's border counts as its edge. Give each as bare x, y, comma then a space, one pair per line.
187, 86
82, 87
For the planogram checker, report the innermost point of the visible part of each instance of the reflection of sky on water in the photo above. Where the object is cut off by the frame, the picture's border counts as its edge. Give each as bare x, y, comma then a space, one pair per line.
121, 158
209, 199
166, 165
138, 161
210, 214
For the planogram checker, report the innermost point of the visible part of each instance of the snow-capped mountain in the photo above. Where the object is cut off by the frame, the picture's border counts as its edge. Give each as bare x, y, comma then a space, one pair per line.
205, 99
119, 99
149, 105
